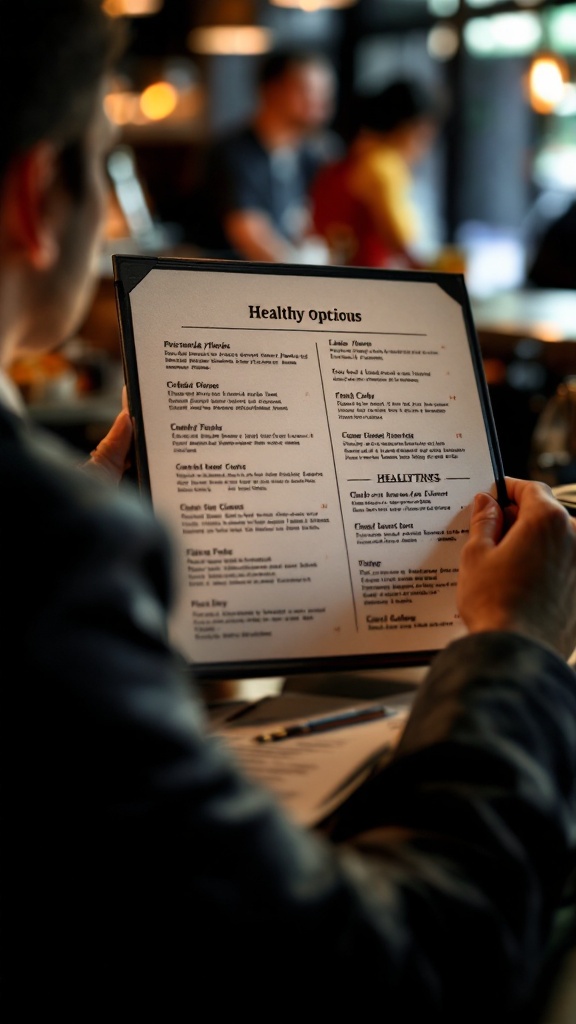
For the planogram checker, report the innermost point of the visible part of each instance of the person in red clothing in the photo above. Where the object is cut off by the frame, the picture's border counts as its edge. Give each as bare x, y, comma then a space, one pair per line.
362, 204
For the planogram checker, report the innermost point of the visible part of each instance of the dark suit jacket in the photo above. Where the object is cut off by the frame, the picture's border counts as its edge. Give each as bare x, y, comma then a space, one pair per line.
145, 878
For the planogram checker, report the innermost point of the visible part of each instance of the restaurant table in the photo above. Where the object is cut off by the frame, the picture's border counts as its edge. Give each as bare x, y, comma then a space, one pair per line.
547, 316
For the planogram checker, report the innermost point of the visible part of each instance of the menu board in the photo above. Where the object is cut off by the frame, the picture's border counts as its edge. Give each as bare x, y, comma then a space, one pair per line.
313, 438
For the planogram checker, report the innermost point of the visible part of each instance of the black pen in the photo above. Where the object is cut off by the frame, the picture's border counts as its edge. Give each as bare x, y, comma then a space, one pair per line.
337, 721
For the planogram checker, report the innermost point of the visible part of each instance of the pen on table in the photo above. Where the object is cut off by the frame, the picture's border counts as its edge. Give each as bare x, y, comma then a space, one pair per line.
337, 721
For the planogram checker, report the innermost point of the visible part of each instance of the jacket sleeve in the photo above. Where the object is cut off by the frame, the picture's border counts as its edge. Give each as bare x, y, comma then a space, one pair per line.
484, 837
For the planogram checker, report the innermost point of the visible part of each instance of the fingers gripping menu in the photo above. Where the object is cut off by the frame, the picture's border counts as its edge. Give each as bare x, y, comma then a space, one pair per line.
314, 442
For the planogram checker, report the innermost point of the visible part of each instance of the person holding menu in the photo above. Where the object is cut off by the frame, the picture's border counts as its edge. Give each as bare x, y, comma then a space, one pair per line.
142, 871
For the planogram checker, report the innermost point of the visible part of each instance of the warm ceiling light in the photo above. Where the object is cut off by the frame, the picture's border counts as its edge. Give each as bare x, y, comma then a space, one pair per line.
132, 8
314, 5
158, 101
546, 83
229, 27
227, 40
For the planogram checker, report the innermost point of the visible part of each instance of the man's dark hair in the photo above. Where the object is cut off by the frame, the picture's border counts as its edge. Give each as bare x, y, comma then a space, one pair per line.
398, 103
276, 64
53, 54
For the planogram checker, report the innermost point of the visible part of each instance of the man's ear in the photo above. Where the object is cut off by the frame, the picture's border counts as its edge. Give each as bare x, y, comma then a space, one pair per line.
27, 198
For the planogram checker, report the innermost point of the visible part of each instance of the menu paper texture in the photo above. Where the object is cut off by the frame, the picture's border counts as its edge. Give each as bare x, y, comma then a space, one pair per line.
313, 439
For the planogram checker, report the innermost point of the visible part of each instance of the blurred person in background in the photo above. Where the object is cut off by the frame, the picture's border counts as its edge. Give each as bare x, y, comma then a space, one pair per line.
253, 200
363, 204
553, 263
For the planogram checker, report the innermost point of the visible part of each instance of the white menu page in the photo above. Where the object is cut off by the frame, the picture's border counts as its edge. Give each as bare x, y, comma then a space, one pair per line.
314, 441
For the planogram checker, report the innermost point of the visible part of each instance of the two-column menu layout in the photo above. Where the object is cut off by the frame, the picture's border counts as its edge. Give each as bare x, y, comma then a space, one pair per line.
313, 438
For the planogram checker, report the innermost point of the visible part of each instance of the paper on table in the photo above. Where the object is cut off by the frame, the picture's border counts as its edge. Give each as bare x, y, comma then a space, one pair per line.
311, 775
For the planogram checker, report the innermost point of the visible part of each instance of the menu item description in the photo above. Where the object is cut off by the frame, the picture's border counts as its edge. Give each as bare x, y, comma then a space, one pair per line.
314, 442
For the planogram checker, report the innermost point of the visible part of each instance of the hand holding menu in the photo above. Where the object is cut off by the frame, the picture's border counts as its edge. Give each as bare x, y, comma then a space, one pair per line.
313, 437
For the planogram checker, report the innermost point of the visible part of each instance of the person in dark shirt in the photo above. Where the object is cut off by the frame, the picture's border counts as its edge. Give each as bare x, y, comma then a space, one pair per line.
254, 199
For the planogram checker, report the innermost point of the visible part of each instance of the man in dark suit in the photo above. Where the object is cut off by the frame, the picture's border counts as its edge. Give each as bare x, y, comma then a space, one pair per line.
146, 878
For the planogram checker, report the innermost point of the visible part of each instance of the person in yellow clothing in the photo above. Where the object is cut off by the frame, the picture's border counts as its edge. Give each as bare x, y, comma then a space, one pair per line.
362, 203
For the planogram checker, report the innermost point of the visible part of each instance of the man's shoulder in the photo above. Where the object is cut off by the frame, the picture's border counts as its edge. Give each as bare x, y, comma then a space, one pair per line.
39, 471
326, 146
